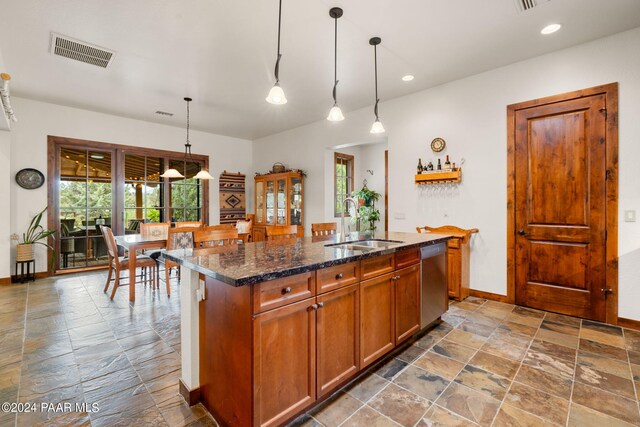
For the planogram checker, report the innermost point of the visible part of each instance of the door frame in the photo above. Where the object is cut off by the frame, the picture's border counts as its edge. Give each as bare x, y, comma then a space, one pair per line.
611, 188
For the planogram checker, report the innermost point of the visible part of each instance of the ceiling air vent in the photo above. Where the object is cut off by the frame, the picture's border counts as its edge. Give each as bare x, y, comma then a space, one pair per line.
80, 51
524, 5
164, 113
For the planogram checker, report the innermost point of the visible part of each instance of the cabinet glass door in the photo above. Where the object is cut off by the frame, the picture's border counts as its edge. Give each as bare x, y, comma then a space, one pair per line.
259, 202
282, 202
295, 201
271, 202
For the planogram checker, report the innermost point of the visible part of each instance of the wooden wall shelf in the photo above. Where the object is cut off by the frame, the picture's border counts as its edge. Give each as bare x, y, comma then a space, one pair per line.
439, 177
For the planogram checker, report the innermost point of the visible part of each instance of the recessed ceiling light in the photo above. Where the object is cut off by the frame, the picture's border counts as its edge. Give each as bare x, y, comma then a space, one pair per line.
550, 29
407, 78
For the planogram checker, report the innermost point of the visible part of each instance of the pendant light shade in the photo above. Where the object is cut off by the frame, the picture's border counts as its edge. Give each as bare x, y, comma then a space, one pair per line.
203, 174
276, 94
172, 173
377, 125
335, 114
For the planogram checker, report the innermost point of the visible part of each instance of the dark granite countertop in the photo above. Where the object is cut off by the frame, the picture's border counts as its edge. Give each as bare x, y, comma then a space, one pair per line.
240, 265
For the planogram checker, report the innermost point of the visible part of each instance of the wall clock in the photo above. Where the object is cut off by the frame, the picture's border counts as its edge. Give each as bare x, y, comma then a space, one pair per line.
30, 178
438, 144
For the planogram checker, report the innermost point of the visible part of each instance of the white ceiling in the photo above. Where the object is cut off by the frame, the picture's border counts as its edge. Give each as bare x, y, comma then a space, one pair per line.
222, 53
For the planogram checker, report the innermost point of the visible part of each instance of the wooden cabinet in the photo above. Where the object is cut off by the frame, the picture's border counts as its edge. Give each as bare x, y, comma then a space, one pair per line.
458, 261
269, 351
279, 200
284, 343
337, 329
377, 325
407, 302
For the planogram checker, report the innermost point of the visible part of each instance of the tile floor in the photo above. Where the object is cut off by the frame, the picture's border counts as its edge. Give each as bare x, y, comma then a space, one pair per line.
63, 341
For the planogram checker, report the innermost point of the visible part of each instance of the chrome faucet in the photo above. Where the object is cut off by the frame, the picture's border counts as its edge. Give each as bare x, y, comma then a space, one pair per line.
345, 205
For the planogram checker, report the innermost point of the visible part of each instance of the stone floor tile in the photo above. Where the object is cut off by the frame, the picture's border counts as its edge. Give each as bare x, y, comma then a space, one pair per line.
483, 381
439, 365
539, 403
466, 338
454, 351
421, 382
336, 409
402, 406
503, 367
437, 416
469, 404
510, 416
545, 381
411, 353
607, 403
366, 387
367, 416
581, 416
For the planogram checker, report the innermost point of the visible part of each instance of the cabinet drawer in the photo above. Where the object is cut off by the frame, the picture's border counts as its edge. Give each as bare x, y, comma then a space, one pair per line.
407, 258
335, 277
279, 292
372, 267
453, 243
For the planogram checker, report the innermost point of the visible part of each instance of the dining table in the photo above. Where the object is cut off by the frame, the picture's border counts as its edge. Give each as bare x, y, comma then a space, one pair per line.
134, 242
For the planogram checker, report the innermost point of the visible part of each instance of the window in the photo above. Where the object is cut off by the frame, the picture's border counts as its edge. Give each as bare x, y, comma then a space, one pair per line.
118, 186
343, 181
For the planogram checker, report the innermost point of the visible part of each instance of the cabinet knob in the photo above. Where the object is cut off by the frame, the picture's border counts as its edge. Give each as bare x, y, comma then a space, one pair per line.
339, 276
314, 306
286, 290
320, 304
521, 232
395, 277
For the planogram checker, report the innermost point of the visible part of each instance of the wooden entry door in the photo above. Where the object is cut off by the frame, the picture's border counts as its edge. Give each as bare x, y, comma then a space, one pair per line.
560, 202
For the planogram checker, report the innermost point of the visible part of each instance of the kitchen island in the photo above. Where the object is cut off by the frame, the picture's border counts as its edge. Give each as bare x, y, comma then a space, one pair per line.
270, 329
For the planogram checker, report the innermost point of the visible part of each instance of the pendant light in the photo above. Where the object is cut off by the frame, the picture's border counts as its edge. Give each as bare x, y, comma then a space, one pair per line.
377, 125
335, 114
276, 94
173, 173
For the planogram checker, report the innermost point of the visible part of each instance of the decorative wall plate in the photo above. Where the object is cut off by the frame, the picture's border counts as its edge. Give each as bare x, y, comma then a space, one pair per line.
30, 178
438, 144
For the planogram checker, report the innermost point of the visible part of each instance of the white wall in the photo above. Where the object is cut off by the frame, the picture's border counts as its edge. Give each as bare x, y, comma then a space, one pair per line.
39, 119
5, 212
372, 158
470, 114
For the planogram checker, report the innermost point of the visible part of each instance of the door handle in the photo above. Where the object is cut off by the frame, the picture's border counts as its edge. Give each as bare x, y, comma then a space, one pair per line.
521, 232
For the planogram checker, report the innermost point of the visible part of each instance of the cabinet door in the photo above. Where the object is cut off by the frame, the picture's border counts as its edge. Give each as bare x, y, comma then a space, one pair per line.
284, 362
377, 325
295, 201
407, 301
454, 266
270, 200
337, 337
281, 202
260, 206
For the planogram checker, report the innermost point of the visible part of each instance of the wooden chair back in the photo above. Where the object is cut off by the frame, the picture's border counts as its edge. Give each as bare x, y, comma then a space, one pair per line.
180, 238
218, 227
324, 228
210, 238
110, 242
158, 230
281, 232
192, 224
462, 233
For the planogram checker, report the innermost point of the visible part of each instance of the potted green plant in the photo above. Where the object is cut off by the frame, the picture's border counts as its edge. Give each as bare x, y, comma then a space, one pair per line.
35, 234
368, 213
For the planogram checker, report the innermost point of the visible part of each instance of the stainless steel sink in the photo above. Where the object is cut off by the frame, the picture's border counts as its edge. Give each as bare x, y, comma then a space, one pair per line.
365, 245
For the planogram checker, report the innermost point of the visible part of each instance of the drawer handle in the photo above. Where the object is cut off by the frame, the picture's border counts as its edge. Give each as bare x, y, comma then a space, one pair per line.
339, 276
286, 290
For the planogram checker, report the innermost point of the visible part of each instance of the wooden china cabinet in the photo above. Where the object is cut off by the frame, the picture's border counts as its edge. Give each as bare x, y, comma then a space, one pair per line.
278, 201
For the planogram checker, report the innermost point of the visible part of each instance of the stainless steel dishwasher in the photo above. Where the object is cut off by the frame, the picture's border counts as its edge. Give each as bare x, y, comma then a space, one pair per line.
434, 296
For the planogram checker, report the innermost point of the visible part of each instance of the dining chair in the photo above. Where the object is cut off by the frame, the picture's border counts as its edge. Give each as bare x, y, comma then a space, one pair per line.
281, 232
119, 263
324, 228
194, 224
210, 238
218, 227
158, 230
244, 227
177, 238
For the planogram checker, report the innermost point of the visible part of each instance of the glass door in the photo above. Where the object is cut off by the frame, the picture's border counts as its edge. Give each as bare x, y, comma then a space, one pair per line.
295, 201
282, 201
271, 202
259, 202
85, 202
143, 191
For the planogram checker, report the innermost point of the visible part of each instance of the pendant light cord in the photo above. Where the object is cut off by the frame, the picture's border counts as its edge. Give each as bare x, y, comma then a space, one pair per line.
335, 62
187, 146
375, 61
277, 70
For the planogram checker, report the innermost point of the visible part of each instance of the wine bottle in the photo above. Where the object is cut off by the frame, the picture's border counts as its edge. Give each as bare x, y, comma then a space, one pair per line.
430, 166
420, 168
447, 164
439, 165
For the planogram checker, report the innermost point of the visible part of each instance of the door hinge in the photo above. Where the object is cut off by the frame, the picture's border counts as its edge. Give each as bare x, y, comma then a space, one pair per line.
606, 291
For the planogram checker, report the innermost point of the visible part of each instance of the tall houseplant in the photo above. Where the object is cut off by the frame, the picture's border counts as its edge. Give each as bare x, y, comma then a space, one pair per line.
368, 213
34, 235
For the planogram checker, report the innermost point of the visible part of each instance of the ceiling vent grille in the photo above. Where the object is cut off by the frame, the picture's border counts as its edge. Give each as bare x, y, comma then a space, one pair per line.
80, 51
164, 113
524, 5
